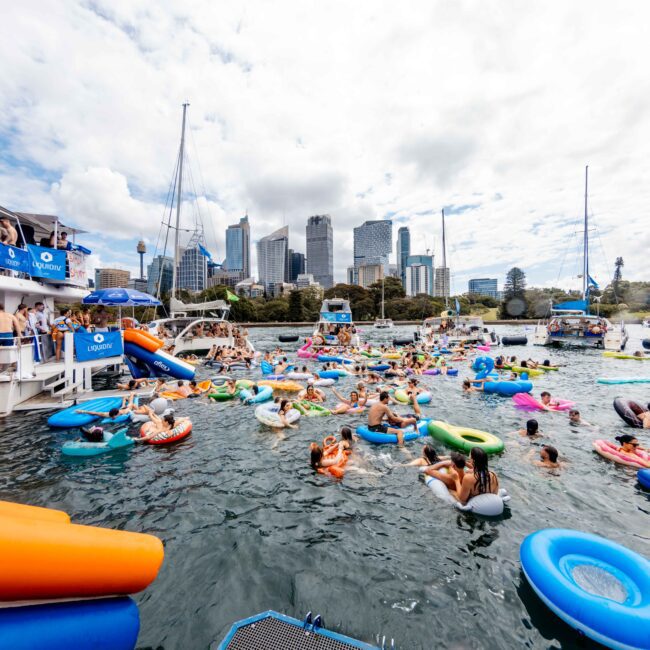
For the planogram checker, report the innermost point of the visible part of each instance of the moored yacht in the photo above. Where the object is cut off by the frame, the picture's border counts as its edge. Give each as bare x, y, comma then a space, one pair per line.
571, 323
452, 330
335, 325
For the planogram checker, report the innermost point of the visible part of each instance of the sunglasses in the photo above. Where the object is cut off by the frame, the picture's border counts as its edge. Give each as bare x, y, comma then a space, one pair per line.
634, 444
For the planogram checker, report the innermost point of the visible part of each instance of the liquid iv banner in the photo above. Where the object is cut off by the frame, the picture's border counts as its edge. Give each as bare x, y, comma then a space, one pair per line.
97, 345
46, 262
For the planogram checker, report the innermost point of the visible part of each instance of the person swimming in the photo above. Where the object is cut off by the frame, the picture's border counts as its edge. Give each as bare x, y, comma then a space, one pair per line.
548, 458
429, 457
531, 430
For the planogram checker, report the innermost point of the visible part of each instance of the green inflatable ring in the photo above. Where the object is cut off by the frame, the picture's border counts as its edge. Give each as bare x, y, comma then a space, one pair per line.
464, 438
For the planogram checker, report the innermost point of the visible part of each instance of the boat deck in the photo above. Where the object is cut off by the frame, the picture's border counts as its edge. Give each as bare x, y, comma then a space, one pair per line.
46, 401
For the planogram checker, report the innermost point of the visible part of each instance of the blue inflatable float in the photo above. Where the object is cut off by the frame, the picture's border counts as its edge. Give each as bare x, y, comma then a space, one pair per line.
410, 433
103, 624
112, 442
264, 394
68, 418
380, 367
643, 476
327, 357
485, 366
596, 586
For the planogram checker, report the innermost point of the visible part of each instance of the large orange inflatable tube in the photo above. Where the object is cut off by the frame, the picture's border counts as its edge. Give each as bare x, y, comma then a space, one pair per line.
60, 560
143, 339
9, 509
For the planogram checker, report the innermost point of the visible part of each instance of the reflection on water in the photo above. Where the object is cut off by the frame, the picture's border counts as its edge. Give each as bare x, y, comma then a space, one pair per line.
247, 526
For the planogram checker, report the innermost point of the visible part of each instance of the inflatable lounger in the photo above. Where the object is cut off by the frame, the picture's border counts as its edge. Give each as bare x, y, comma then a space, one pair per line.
69, 418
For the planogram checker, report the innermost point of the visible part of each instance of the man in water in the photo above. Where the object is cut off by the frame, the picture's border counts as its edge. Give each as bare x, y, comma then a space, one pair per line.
380, 411
548, 458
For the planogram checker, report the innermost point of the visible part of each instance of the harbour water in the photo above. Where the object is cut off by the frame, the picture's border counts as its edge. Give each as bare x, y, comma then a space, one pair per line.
247, 525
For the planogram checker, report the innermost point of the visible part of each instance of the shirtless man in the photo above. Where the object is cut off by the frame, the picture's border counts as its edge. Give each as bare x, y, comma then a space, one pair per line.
12, 234
8, 323
455, 466
380, 411
548, 457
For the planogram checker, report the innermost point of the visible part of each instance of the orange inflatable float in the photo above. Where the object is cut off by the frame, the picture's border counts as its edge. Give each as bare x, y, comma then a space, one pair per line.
331, 450
41, 558
18, 510
203, 386
145, 340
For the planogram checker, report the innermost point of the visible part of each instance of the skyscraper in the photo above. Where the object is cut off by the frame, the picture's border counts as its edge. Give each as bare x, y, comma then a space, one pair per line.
419, 275
373, 242
192, 271
159, 275
441, 282
320, 249
403, 252
108, 278
296, 265
272, 258
238, 247
484, 287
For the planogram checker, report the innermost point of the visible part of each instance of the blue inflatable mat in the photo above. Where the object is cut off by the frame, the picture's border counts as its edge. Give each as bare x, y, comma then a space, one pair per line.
643, 476
69, 418
507, 388
104, 624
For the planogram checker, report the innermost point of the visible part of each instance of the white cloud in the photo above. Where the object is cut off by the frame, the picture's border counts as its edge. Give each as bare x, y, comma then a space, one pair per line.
359, 110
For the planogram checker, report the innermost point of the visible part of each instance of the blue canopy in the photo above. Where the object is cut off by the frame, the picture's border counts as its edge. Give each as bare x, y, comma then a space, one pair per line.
572, 305
118, 297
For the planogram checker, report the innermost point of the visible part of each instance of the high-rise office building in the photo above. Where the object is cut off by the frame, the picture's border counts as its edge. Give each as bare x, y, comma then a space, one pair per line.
238, 247
272, 258
159, 275
441, 282
192, 272
403, 252
109, 278
373, 243
352, 276
320, 249
369, 274
296, 265
419, 275
484, 287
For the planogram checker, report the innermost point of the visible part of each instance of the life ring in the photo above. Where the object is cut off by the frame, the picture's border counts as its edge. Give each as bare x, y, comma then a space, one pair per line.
553, 328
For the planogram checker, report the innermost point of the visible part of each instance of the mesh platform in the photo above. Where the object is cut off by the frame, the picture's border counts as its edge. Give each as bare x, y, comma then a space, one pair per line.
275, 634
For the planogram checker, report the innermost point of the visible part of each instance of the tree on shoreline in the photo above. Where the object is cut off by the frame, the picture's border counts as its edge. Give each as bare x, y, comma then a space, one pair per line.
514, 304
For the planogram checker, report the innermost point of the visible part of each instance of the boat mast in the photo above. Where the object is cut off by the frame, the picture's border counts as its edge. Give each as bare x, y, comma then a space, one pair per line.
444, 261
382, 298
585, 252
179, 188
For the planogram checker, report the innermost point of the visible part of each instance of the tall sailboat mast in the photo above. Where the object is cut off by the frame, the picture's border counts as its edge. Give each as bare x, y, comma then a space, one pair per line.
179, 189
444, 261
585, 260
382, 298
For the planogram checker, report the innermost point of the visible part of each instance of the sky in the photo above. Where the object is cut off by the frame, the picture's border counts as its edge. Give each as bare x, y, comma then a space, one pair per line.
368, 110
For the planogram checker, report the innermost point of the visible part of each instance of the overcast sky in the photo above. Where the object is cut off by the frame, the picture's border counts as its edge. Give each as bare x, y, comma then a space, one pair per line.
364, 110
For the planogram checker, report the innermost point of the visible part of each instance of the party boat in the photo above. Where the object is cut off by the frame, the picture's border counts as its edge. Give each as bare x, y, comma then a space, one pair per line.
335, 315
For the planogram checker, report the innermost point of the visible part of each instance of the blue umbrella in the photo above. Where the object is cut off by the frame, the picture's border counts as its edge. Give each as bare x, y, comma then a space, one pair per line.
118, 297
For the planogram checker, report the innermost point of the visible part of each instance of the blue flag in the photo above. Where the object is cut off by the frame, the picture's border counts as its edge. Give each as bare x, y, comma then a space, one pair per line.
591, 282
205, 252
457, 306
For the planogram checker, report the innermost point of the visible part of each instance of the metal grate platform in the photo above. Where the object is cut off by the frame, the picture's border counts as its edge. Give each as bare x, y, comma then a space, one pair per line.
273, 631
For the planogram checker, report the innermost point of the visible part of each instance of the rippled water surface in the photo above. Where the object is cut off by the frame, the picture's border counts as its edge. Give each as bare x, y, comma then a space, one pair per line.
247, 525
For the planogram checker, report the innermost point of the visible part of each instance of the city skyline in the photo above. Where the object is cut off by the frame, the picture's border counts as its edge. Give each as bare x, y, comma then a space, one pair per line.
471, 147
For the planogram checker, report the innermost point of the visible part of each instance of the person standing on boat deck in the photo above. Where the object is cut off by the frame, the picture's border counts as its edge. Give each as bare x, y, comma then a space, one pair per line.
8, 324
43, 330
12, 234
100, 319
21, 317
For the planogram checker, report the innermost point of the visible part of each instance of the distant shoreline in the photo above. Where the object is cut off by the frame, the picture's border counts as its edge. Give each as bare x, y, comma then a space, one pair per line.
365, 323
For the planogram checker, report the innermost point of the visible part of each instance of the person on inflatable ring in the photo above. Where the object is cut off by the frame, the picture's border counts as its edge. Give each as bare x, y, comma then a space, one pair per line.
479, 481
355, 404
380, 411
310, 394
160, 425
454, 473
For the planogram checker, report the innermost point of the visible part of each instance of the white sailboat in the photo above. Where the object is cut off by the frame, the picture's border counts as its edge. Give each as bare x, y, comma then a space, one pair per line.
183, 332
450, 327
383, 323
571, 324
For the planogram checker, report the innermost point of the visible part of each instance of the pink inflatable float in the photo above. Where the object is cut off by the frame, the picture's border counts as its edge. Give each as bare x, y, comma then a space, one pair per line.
527, 401
305, 353
609, 450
